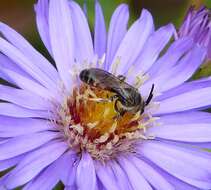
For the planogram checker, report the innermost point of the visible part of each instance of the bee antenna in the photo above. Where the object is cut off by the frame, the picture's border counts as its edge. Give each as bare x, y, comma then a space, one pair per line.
150, 95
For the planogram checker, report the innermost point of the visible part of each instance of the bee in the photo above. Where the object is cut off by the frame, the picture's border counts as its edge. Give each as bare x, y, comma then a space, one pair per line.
127, 98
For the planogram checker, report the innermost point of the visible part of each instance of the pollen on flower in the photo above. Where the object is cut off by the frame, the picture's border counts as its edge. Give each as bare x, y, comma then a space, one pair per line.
90, 122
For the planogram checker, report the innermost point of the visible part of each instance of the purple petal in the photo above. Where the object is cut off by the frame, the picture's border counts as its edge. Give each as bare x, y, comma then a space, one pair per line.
41, 9
2, 179
7, 109
187, 166
199, 184
106, 176
1, 186
153, 47
133, 42
100, 31
82, 35
8, 64
35, 162
100, 185
48, 178
24, 143
189, 148
70, 188
185, 26
121, 177
151, 175
197, 25
3, 140
175, 52
6, 164
178, 74
195, 145
186, 118
27, 84
5, 77
68, 174
185, 87
136, 179
42, 64
191, 99
24, 98
62, 41
184, 69
189, 128
85, 175
116, 32
209, 50
11, 127
27, 64
177, 184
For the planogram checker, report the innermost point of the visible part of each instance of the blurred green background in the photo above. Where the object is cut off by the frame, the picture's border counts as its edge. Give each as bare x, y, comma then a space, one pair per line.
20, 15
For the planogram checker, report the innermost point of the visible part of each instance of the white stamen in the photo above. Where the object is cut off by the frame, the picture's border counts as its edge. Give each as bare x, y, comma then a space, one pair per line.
113, 127
78, 128
115, 139
115, 65
140, 80
109, 146
102, 138
101, 61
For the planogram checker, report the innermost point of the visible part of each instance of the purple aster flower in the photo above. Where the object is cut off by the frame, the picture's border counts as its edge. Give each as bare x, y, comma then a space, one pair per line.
89, 134
197, 25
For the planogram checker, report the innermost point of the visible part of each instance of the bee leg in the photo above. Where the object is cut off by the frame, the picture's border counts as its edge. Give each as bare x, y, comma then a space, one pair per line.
116, 107
117, 110
120, 112
121, 77
150, 96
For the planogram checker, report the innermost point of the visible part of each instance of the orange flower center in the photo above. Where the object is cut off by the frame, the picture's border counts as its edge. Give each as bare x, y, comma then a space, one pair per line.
96, 127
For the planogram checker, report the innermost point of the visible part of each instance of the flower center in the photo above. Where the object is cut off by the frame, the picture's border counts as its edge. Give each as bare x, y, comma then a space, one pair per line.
91, 123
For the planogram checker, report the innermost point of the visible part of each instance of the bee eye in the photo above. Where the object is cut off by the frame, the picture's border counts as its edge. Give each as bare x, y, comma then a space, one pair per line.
84, 75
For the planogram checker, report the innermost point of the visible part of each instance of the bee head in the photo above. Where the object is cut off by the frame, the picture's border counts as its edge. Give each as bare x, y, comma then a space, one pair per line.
84, 75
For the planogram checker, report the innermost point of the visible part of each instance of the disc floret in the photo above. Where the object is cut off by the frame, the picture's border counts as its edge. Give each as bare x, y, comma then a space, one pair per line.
91, 123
